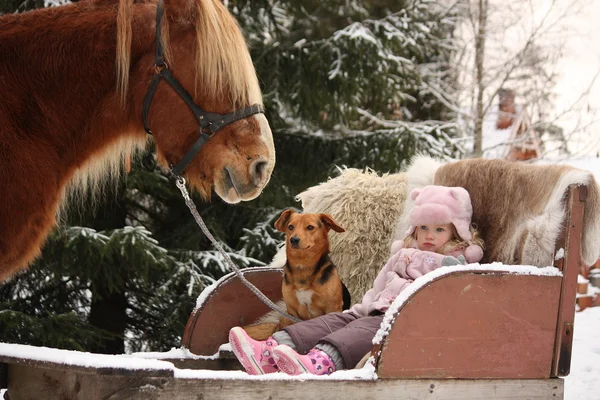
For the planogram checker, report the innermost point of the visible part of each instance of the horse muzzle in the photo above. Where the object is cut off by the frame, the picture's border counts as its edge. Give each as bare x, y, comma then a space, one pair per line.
235, 184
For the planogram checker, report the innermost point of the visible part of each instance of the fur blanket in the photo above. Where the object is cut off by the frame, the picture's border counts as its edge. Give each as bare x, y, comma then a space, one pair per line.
518, 208
367, 206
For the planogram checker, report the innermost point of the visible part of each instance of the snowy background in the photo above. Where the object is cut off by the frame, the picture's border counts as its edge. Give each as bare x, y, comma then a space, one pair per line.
584, 381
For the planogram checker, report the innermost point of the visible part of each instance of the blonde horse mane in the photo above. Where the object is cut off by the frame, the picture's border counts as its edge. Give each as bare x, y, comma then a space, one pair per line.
223, 63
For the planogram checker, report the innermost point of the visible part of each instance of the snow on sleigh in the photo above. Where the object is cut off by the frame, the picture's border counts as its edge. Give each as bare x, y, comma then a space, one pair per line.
499, 329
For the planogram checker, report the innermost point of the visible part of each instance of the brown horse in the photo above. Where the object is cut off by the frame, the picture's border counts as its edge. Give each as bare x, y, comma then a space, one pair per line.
73, 80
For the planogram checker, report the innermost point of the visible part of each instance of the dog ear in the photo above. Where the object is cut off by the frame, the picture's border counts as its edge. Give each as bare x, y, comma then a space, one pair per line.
281, 223
330, 223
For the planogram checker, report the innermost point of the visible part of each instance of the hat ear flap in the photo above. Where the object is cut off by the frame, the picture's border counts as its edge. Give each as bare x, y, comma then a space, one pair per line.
414, 193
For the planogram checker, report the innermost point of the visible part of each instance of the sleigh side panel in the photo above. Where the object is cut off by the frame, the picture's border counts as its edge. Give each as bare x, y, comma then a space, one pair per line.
230, 303
475, 325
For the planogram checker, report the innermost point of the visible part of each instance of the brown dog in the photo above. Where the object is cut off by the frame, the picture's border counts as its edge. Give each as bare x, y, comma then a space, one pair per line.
311, 285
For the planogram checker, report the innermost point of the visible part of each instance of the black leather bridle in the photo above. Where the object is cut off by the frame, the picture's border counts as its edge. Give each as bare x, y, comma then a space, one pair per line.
209, 122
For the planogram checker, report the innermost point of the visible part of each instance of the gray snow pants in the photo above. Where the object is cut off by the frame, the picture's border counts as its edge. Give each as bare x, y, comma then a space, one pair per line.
350, 334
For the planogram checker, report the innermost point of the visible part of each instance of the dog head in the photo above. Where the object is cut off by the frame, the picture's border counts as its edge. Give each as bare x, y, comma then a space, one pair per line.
306, 231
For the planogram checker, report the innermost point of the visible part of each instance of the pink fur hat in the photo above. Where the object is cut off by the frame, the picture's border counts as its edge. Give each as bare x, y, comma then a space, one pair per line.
444, 205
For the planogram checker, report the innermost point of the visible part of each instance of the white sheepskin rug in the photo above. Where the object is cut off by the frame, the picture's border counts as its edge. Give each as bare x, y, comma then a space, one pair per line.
366, 205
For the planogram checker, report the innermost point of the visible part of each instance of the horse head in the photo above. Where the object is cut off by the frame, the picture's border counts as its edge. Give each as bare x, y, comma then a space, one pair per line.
206, 54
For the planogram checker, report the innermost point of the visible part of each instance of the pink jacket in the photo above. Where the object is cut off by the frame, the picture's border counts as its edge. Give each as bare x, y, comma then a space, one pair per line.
403, 267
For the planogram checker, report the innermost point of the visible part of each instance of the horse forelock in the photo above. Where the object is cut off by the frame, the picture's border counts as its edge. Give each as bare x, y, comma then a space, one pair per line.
224, 68
223, 60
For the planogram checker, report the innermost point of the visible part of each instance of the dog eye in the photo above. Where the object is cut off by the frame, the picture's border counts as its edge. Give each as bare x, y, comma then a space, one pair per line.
310, 227
291, 227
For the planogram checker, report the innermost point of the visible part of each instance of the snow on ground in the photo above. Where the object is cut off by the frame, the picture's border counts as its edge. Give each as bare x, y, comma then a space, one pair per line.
583, 383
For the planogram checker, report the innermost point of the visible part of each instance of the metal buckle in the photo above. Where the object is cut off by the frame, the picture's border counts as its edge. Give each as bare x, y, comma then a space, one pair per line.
158, 68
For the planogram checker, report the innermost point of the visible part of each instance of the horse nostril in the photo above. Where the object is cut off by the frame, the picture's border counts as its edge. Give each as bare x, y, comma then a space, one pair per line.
257, 171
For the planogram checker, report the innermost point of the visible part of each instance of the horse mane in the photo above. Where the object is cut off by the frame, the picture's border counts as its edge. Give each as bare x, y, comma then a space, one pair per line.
89, 183
223, 64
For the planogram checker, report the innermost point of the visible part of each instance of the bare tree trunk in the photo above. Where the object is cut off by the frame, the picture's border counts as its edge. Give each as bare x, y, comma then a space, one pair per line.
479, 59
109, 312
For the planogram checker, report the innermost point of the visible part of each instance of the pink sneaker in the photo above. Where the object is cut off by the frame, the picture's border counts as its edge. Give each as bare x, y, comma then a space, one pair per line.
316, 362
255, 356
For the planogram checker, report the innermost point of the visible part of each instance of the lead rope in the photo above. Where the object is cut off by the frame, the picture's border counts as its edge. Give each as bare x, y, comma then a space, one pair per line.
180, 182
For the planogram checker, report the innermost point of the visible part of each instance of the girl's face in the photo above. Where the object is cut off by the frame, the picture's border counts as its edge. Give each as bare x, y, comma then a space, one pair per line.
432, 237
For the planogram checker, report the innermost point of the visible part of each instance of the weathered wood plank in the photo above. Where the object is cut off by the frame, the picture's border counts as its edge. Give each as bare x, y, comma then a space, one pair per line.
572, 233
397, 389
28, 383
137, 372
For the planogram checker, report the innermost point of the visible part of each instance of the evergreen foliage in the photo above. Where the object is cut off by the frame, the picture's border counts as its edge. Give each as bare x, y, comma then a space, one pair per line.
324, 61
345, 84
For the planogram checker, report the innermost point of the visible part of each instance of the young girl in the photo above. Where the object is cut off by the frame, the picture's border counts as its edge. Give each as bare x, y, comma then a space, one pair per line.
440, 235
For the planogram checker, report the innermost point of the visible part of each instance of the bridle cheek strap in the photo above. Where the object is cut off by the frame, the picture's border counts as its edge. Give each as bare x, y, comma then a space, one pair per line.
209, 122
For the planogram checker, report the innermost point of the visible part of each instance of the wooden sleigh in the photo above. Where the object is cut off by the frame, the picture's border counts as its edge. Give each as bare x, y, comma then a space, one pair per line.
488, 331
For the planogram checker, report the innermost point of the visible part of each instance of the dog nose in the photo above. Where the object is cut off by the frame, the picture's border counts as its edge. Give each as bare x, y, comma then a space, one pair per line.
294, 241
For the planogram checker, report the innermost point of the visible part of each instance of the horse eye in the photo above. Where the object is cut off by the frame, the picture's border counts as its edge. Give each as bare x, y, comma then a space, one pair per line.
310, 227
291, 227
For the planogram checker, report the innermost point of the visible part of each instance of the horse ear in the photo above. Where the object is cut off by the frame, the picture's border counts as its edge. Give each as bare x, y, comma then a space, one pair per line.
180, 10
281, 223
330, 223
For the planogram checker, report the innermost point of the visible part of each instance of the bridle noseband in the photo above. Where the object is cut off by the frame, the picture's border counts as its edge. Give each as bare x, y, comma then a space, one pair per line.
209, 122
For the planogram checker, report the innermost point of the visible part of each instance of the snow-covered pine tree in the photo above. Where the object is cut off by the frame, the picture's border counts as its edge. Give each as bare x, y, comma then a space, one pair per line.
343, 69
345, 83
